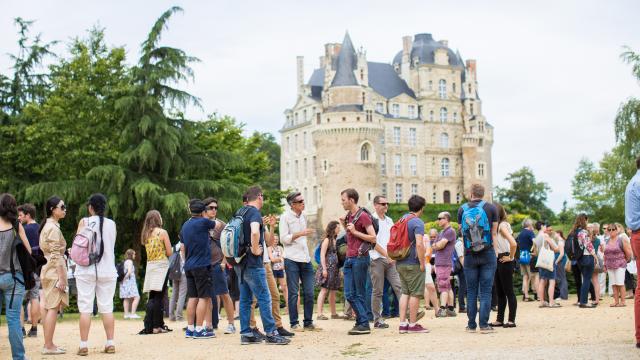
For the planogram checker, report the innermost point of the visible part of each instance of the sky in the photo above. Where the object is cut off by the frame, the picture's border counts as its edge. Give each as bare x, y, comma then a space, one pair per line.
550, 75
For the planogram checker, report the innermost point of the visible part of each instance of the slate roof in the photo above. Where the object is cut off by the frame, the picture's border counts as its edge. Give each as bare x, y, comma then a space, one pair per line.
346, 64
424, 47
382, 78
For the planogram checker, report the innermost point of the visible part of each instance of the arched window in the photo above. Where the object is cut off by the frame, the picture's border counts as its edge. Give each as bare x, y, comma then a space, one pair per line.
364, 152
446, 197
443, 115
442, 88
444, 167
431, 115
444, 140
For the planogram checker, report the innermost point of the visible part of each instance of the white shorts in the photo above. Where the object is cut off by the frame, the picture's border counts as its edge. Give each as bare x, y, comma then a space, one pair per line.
101, 289
616, 277
428, 279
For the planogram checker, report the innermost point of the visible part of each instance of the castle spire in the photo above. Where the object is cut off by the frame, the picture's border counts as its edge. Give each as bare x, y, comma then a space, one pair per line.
346, 64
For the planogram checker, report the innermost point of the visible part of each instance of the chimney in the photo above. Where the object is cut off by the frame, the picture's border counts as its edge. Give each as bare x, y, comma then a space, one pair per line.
300, 72
406, 44
444, 42
471, 67
336, 49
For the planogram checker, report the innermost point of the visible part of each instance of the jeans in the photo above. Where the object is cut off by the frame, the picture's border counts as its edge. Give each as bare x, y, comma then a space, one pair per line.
389, 307
462, 290
368, 293
504, 288
13, 313
355, 279
254, 283
561, 281
479, 270
577, 278
300, 272
586, 270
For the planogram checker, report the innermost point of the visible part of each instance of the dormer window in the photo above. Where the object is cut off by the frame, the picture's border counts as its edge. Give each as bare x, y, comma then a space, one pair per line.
395, 110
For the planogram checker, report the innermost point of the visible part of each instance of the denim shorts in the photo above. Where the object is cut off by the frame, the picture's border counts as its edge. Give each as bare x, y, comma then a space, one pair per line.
219, 279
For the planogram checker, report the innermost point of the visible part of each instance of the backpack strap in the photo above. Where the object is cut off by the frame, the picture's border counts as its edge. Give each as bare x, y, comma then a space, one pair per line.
481, 204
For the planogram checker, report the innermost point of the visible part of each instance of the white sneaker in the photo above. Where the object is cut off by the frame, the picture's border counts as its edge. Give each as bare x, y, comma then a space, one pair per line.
134, 316
126, 316
231, 329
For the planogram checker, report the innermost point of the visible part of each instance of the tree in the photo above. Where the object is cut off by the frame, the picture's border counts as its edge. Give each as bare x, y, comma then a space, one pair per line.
525, 194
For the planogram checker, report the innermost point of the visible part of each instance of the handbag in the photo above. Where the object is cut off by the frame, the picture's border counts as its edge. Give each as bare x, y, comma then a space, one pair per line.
545, 258
599, 265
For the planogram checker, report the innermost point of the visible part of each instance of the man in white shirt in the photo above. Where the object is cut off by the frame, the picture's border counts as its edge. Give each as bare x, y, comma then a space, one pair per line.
382, 267
297, 261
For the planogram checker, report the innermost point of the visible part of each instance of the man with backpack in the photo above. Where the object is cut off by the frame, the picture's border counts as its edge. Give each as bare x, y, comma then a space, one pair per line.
361, 237
632, 219
194, 236
253, 277
297, 262
479, 222
382, 267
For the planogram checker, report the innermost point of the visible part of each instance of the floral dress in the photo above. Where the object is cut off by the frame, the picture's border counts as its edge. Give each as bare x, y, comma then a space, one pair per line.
332, 282
128, 286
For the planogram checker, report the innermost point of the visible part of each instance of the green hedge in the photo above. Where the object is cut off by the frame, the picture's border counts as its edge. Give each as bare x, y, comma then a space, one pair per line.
430, 213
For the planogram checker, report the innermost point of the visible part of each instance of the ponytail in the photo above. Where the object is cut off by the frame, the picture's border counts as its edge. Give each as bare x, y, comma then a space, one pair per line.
99, 204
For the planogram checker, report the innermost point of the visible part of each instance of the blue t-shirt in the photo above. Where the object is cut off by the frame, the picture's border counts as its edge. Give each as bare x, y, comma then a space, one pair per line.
525, 239
195, 237
33, 235
415, 227
253, 215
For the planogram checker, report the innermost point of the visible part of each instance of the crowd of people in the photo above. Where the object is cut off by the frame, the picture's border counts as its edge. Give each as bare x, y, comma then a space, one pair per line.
469, 259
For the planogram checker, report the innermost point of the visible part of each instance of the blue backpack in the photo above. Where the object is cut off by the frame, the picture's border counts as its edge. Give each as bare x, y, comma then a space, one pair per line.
316, 253
525, 257
232, 240
476, 229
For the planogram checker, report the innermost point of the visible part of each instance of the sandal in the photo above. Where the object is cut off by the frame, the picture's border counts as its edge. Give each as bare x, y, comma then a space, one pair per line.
166, 328
555, 305
322, 317
510, 325
544, 305
56, 351
614, 305
497, 324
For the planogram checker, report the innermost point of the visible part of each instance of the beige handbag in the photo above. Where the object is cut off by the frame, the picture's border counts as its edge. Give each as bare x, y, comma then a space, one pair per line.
545, 258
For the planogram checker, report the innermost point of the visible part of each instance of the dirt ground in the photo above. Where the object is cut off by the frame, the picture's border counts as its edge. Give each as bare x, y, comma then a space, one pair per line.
561, 333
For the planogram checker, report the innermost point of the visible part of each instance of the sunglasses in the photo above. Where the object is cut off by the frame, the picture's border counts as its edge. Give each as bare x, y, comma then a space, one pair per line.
212, 207
299, 202
612, 229
63, 207
441, 218
384, 204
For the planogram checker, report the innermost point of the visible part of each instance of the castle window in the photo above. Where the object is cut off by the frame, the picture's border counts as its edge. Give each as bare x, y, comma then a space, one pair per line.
344, 118
430, 85
413, 136
383, 164
395, 110
444, 140
295, 121
412, 112
446, 197
361, 74
431, 115
442, 89
384, 189
288, 143
398, 193
364, 152
433, 198
380, 107
471, 108
304, 115
396, 135
453, 87
414, 189
469, 86
358, 118
306, 168
444, 167
325, 166
313, 166
295, 169
443, 115
315, 195
480, 143
413, 165
287, 171
382, 139
363, 98
458, 198
397, 165
481, 170
455, 117
295, 142
481, 126
318, 118
304, 140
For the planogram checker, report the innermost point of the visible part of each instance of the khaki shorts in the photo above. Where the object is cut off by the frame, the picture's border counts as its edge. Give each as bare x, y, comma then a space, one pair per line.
412, 280
525, 270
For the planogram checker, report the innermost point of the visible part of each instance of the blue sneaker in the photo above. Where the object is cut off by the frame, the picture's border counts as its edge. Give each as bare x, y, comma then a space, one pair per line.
188, 333
204, 334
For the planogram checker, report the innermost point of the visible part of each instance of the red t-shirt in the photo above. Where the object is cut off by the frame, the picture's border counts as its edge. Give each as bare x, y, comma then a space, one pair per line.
354, 242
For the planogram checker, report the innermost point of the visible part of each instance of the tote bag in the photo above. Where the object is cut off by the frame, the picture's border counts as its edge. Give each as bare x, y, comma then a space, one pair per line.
545, 258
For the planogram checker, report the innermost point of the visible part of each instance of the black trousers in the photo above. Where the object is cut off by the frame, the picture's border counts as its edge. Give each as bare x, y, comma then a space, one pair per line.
154, 314
504, 290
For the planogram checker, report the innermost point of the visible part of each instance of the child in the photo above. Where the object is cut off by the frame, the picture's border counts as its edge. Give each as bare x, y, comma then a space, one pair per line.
328, 272
276, 254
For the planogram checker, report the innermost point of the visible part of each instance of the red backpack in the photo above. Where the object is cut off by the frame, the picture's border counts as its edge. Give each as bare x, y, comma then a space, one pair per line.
399, 245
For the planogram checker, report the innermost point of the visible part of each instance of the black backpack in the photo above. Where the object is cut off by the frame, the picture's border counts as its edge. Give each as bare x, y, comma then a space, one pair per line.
28, 264
121, 271
572, 247
175, 267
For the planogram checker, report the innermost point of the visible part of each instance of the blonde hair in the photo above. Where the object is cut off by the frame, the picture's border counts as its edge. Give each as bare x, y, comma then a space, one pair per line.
151, 221
129, 254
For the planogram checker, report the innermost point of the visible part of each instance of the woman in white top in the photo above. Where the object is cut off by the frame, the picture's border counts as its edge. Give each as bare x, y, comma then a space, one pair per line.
99, 280
505, 253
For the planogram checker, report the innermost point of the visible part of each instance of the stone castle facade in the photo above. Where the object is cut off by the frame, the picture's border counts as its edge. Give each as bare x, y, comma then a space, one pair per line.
414, 126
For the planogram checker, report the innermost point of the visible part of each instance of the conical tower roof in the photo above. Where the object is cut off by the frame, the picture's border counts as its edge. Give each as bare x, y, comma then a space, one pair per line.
346, 64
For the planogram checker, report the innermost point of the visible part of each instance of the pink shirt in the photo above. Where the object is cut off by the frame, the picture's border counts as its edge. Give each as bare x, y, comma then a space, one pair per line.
614, 255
